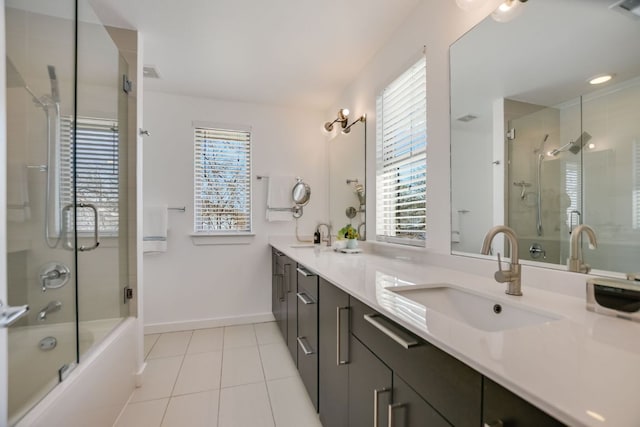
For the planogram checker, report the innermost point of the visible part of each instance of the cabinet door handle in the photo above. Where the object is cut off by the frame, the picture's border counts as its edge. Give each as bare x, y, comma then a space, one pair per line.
287, 268
279, 287
371, 318
302, 342
393, 406
338, 334
304, 272
376, 395
279, 254
494, 423
306, 299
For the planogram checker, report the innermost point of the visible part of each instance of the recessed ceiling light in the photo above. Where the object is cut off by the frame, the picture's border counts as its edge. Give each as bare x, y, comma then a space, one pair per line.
592, 146
600, 79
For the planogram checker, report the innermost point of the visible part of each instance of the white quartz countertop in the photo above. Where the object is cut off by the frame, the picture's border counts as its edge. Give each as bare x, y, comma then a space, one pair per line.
583, 369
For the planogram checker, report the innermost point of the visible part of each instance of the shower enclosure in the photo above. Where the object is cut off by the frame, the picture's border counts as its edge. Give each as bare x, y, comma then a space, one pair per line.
69, 253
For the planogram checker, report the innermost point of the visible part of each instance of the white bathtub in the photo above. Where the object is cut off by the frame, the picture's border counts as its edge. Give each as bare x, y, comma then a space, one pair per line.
34, 372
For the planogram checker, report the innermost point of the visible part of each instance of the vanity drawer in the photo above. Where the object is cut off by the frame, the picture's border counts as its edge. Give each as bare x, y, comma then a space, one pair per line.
450, 386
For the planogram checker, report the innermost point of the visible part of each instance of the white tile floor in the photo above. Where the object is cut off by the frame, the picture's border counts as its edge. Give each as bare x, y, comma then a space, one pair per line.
236, 376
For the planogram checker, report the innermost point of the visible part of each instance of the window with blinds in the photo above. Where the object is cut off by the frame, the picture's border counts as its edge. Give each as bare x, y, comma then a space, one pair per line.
95, 174
636, 185
401, 152
573, 189
222, 181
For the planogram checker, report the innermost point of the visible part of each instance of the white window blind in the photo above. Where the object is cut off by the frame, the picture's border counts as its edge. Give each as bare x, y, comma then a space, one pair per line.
573, 189
401, 151
96, 171
636, 185
222, 169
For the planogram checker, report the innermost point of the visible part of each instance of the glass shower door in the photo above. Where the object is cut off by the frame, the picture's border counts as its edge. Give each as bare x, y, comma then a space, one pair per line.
41, 268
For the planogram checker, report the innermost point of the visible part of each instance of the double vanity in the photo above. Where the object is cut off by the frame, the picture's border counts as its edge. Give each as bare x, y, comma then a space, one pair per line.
387, 341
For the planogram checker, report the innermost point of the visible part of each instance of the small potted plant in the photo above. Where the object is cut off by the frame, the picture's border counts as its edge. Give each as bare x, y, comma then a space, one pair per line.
351, 234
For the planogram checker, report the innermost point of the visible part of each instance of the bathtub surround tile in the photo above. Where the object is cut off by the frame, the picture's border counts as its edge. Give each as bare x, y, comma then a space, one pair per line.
239, 336
171, 344
199, 372
149, 342
246, 405
143, 414
268, 333
276, 361
193, 410
241, 366
158, 379
290, 403
206, 341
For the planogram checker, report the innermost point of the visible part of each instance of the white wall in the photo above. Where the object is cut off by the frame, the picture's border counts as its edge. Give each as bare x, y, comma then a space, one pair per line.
198, 286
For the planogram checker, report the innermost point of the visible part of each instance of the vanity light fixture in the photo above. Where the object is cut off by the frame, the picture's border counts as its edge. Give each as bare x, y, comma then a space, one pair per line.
602, 78
508, 10
362, 118
343, 117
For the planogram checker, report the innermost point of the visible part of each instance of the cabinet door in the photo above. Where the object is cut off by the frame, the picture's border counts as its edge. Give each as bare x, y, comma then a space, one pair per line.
307, 339
333, 313
369, 387
278, 295
503, 408
410, 410
291, 288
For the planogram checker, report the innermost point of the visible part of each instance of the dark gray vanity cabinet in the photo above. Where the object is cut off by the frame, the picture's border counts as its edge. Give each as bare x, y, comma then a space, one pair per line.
307, 339
450, 387
278, 294
370, 385
503, 408
334, 355
283, 299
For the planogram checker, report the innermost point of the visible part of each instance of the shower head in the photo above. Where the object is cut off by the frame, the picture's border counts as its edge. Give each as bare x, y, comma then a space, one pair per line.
14, 79
573, 146
55, 91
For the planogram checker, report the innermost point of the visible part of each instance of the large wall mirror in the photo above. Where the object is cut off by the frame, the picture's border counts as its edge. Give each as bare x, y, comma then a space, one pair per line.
535, 145
347, 185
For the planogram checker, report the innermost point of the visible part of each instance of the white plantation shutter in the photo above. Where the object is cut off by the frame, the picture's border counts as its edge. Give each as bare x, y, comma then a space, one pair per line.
222, 169
401, 167
96, 171
636, 184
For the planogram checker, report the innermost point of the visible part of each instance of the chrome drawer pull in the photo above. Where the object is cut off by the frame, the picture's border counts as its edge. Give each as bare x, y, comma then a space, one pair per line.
338, 330
306, 299
302, 342
304, 272
388, 332
393, 406
376, 394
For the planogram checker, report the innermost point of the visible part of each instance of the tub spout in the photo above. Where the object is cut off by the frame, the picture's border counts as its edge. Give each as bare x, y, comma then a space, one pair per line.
52, 307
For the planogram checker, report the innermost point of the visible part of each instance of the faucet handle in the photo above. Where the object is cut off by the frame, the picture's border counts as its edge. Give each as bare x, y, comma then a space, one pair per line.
501, 275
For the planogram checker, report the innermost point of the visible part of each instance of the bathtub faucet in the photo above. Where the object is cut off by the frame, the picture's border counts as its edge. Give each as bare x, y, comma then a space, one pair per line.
52, 307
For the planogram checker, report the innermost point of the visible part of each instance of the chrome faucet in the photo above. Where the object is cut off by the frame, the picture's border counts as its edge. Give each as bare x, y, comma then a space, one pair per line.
52, 307
575, 262
328, 239
512, 276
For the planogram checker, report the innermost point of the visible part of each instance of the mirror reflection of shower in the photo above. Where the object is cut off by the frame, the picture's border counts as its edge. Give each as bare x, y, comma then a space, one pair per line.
50, 104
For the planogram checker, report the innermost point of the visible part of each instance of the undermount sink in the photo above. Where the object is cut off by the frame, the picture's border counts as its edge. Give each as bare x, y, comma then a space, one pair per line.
478, 311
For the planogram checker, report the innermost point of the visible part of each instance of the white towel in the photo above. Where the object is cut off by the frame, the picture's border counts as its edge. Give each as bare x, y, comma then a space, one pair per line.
18, 209
279, 197
154, 228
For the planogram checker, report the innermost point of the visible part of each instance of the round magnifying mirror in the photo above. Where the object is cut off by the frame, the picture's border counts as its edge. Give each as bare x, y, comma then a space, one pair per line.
301, 193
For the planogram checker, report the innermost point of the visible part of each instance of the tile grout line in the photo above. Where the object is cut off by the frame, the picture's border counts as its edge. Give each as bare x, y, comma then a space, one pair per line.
224, 329
264, 375
176, 380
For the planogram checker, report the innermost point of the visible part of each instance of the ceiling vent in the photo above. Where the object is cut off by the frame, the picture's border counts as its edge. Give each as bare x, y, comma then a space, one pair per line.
467, 118
150, 72
629, 8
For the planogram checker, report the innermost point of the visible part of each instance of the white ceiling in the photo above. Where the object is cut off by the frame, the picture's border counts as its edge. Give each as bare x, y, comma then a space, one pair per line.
299, 53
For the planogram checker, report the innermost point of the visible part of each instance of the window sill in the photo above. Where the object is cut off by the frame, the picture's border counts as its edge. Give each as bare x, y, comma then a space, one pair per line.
203, 239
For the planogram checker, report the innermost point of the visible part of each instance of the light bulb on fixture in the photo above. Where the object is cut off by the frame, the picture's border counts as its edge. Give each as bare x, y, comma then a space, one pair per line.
508, 10
602, 78
343, 117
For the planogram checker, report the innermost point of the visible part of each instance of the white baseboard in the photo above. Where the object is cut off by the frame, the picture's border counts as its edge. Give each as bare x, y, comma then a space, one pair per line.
158, 328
